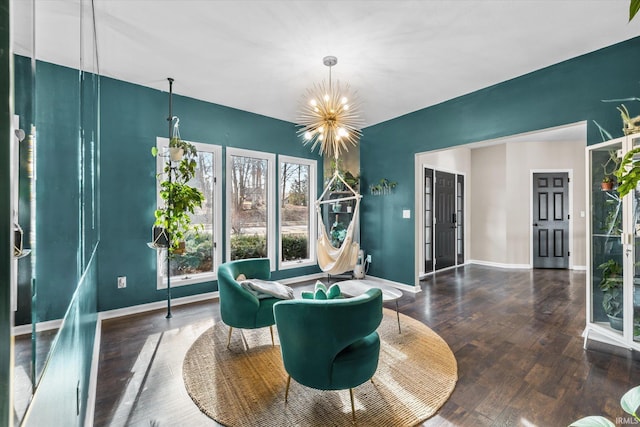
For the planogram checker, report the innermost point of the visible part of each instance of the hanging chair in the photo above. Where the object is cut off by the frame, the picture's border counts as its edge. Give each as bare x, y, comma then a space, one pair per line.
334, 260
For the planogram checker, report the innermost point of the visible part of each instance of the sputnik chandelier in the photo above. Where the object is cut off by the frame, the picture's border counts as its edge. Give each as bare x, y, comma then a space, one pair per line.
329, 117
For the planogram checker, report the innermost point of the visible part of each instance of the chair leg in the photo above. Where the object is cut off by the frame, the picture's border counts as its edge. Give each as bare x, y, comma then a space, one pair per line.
272, 342
286, 392
353, 408
229, 337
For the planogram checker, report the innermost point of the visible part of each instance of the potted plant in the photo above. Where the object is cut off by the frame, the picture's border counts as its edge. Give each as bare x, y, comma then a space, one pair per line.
609, 167
17, 239
607, 183
173, 220
337, 233
179, 147
611, 286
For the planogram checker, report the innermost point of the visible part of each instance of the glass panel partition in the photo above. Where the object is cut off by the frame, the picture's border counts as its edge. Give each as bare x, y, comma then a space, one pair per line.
57, 103
607, 250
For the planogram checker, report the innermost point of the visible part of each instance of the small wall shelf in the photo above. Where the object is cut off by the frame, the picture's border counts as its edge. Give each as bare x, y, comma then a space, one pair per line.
24, 253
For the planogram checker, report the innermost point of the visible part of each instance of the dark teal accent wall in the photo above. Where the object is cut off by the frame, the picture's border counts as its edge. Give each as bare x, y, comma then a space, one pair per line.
23, 107
57, 189
61, 396
6, 254
132, 117
564, 93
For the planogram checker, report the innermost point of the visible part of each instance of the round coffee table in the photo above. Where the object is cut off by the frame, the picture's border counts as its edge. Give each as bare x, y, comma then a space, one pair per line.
360, 286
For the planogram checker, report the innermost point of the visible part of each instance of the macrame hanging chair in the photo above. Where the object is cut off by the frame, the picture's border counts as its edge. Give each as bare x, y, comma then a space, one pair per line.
332, 260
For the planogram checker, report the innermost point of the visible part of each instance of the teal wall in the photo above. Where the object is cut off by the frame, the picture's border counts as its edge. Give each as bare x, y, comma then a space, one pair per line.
564, 93
61, 396
57, 189
23, 106
132, 117
6, 253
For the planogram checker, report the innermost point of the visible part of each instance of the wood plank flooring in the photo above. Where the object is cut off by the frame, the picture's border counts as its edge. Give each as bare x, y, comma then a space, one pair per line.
516, 335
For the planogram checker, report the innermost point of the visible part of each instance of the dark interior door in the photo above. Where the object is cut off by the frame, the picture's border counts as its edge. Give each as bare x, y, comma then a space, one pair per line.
550, 220
445, 216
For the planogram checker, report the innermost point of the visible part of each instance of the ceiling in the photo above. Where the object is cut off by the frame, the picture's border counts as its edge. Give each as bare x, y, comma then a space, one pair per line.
261, 56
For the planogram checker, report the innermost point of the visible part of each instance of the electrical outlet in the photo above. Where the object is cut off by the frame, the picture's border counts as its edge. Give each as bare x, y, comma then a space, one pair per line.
122, 282
369, 258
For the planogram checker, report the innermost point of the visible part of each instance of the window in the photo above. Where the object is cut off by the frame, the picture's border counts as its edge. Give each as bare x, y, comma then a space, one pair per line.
250, 205
200, 261
296, 196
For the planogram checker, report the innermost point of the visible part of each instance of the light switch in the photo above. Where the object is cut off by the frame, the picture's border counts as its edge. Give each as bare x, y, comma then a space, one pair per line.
582, 214
406, 213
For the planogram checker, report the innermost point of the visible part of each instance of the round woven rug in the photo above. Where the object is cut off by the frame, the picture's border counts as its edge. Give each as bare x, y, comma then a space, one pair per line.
245, 386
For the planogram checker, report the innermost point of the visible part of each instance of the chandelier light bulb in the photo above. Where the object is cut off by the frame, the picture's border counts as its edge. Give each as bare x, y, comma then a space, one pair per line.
327, 119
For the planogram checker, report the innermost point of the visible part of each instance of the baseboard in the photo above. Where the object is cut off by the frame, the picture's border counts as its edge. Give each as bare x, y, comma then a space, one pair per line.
40, 327
500, 264
93, 376
397, 285
156, 305
517, 266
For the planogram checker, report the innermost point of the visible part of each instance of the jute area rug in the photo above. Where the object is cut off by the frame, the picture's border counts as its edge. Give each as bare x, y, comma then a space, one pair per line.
245, 386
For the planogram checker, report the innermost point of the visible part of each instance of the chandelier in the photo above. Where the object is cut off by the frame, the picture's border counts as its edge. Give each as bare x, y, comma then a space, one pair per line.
329, 117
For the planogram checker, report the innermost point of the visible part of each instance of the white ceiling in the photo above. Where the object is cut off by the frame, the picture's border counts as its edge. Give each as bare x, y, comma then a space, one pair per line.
261, 56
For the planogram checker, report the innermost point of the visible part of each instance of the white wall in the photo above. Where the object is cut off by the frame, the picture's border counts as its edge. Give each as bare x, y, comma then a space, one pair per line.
501, 201
498, 187
488, 205
522, 159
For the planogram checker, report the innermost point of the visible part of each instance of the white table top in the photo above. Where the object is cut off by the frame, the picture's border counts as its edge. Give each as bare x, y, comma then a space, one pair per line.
359, 286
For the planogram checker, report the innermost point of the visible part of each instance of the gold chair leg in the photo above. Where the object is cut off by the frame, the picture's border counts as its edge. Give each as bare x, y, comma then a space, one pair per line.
229, 337
371, 379
272, 341
286, 392
353, 408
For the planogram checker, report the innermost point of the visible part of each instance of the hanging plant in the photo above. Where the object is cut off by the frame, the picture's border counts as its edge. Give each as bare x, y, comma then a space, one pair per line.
179, 198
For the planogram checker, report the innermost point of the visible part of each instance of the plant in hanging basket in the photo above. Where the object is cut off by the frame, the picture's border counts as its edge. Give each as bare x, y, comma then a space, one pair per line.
179, 198
17, 239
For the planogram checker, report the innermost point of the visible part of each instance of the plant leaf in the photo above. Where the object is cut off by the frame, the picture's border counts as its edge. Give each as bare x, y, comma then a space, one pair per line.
154, 151
631, 400
592, 421
633, 8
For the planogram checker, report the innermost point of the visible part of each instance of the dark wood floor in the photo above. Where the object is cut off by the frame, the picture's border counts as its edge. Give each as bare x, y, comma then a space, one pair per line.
516, 335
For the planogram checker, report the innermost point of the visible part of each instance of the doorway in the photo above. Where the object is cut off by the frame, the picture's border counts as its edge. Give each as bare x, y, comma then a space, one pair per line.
443, 219
550, 215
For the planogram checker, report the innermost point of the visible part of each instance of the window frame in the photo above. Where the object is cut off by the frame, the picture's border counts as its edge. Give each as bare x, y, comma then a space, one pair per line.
216, 198
313, 216
270, 194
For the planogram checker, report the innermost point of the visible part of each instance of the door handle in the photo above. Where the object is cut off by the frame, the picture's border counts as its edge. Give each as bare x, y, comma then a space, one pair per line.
535, 224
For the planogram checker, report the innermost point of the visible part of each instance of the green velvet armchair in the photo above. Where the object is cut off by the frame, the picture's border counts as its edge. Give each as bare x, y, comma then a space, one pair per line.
239, 308
330, 344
